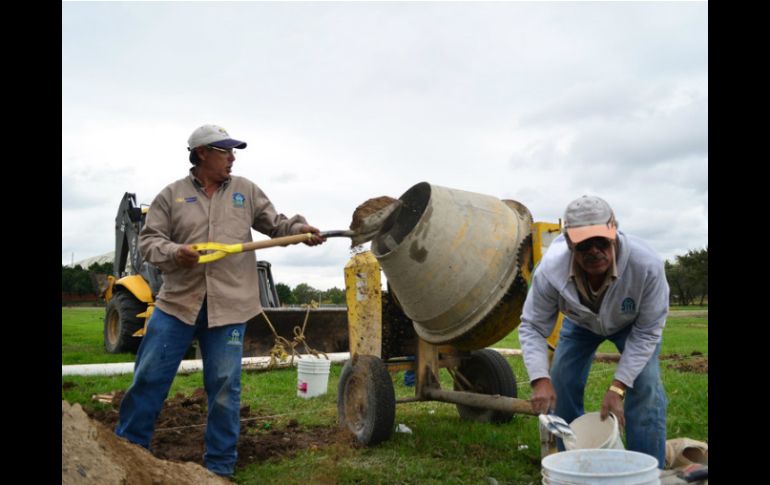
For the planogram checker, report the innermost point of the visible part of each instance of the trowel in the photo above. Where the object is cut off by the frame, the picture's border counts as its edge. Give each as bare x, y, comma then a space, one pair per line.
557, 426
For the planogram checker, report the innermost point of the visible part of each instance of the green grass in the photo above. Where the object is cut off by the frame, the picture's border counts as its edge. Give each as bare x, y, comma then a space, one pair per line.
441, 449
83, 339
688, 308
682, 335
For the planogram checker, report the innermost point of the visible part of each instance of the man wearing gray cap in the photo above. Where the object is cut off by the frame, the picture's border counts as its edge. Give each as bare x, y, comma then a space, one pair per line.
609, 286
210, 302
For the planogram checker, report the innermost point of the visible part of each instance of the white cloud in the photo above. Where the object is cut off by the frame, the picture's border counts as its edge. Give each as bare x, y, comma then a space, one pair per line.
341, 102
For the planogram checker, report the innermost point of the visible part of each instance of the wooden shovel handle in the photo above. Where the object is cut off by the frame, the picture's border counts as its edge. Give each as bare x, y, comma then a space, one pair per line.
221, 250
277, 241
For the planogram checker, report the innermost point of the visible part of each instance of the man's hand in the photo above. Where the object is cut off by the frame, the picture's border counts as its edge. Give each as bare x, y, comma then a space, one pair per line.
543, 396
316, 239
613, 403
186, 257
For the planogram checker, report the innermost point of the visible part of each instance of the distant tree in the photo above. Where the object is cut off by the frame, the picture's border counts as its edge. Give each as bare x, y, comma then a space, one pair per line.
335, 295
67, 279
304, 293
688, 277
696, 274
76, 280
285, 294
676, 283
105, 268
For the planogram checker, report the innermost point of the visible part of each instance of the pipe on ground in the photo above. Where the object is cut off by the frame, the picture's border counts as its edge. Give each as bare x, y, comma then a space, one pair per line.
186, 367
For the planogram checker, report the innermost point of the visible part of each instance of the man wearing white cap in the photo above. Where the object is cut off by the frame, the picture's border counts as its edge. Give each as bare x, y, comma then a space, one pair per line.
609, 286
210, 302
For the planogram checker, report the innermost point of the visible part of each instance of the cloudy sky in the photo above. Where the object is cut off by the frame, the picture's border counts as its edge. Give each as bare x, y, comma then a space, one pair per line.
339, 102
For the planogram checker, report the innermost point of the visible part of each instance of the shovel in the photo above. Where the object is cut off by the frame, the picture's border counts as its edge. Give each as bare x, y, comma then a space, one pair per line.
557, 426
366, 227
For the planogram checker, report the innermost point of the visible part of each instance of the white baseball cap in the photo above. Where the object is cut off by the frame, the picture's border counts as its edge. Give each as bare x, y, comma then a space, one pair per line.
589, 216
213, 135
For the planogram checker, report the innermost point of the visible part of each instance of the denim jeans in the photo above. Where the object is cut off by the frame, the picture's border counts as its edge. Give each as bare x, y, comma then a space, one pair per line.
644, 405
160, 353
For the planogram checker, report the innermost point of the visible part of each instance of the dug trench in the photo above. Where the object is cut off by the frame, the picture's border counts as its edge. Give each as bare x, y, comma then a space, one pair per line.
180, 428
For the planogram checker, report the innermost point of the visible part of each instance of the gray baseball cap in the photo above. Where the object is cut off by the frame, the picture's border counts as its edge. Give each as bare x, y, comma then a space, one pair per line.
589, 216
213, 135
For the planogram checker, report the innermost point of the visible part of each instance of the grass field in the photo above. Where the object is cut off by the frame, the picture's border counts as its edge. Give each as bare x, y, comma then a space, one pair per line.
441, 448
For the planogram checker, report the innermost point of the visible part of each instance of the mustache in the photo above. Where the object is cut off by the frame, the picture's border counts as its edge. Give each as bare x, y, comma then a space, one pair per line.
590, 258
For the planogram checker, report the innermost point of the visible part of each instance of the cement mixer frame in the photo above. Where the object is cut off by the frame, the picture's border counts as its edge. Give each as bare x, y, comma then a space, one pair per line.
484, 384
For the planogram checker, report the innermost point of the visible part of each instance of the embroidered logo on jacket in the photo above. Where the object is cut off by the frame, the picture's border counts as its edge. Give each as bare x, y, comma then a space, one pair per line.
628, 306
238, 199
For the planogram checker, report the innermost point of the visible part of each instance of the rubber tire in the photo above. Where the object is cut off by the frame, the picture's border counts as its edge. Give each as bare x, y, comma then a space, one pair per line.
366, 401
489, 373
120, 322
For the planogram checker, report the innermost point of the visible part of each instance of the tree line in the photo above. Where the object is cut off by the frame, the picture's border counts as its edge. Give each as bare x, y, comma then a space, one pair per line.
304, 293
82, 281
687, 276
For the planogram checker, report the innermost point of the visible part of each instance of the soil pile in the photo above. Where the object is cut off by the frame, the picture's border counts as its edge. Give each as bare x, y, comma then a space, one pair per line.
93, 449
91, 453
368, 208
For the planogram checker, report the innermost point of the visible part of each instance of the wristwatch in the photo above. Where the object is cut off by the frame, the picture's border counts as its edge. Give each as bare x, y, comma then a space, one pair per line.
620, 392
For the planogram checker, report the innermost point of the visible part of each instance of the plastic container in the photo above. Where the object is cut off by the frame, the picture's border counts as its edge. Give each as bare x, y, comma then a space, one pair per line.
592, 432
312, 376
600, 467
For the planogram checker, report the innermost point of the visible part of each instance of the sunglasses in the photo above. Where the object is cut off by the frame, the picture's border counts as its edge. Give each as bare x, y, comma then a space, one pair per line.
601, 243
230, 151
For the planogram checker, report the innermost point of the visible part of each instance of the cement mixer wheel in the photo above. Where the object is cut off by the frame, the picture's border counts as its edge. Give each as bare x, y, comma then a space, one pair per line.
488, 373
366, 401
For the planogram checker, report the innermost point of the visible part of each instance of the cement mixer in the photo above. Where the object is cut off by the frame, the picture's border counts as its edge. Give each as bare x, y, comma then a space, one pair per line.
458, 264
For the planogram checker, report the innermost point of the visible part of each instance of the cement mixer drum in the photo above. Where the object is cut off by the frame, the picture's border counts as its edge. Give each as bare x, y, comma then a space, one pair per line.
453, 260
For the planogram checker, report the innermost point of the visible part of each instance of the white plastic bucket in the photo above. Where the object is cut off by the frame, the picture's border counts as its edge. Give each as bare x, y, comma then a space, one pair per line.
592, 432
600, 467
312, 376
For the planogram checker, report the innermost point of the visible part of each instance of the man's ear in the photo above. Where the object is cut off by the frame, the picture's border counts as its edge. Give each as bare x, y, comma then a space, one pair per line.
201, 151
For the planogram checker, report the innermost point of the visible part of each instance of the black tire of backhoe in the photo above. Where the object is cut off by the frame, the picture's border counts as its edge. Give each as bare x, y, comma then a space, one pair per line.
489, 372
366, 377
127, 307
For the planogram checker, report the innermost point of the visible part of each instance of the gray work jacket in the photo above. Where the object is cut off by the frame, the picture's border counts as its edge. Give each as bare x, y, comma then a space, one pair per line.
638, 297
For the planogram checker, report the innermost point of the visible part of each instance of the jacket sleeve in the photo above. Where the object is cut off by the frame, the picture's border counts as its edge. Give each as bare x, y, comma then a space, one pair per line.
647, 330
537, 322
154, 240
269, 221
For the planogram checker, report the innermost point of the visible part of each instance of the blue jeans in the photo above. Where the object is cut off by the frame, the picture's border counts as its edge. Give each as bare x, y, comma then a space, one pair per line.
160, 353
644, 405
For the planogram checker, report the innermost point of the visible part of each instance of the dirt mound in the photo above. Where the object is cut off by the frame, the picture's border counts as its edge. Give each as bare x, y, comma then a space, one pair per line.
91, 453
368, 208
689, 363
180, 428
695, 362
